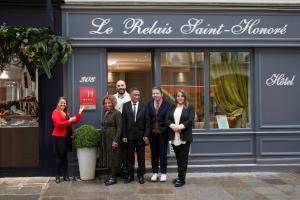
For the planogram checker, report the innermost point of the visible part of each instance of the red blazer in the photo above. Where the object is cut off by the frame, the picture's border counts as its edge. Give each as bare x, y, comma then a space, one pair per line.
60, 123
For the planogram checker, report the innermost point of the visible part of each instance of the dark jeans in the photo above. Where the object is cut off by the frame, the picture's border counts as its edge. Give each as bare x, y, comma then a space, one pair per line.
139, 147
61, 155
159, 147
182, 156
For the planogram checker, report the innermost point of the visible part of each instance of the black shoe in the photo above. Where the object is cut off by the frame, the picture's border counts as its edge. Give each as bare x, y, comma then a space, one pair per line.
141, 179
110, 181
57, 179
128, 179
66, 178
179, 183
175, 180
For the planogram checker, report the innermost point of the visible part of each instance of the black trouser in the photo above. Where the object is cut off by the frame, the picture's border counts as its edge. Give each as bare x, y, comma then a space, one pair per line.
182, 156
159, 147
139, 147
61, 155
123, 149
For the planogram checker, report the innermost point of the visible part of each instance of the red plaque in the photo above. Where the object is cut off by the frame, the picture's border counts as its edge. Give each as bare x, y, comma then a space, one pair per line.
88, 98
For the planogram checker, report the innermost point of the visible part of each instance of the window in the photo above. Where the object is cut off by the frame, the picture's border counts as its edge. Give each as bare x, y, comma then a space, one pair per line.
184, 70
132, 67
228, 82
229, 93
18, 98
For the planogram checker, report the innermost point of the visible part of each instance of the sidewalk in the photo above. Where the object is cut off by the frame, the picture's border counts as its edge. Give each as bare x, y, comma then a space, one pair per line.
202, 186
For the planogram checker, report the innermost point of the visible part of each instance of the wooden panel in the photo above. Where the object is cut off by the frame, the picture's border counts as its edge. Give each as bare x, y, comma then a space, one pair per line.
2, 94
19, 147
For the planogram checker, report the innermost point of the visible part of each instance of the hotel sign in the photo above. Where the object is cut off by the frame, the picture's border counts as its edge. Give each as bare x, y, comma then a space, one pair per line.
182, 27
280, 79
193, 26
87, 98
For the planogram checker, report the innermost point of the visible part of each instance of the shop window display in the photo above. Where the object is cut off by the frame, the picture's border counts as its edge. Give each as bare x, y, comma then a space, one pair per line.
18, 98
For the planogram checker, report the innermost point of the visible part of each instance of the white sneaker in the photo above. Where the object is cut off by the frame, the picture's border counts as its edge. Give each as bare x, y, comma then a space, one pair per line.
163, 177
154, 177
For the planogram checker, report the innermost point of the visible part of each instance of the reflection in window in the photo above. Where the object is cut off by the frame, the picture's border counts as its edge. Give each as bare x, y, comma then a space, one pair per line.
18, 98
132, 67
229, 94
184, 70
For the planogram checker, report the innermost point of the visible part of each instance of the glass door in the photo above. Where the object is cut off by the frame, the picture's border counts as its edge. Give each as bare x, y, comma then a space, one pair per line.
135, 68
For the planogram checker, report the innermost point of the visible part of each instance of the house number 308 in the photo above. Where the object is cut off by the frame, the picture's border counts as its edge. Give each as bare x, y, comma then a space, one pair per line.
87, 79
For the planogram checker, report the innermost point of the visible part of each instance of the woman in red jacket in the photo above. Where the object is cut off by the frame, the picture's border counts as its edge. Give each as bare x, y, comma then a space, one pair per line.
62, 132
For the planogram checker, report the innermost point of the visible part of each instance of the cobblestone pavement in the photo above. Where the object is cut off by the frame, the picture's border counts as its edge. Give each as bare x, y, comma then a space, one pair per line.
202, 186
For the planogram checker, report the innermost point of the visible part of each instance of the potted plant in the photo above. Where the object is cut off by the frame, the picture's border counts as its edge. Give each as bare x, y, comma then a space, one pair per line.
86, 139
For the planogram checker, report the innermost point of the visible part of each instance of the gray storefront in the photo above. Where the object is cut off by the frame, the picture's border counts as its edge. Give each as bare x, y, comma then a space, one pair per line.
239, 68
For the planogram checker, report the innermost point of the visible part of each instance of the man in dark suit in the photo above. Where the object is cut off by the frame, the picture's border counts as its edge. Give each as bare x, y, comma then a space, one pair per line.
158, 109
135, 129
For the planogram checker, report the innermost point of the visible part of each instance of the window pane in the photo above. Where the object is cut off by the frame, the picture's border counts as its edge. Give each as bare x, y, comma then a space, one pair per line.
184, 70
230, 92
18, 97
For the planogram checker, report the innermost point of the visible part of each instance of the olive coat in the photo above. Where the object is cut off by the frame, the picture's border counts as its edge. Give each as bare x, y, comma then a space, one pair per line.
111, 127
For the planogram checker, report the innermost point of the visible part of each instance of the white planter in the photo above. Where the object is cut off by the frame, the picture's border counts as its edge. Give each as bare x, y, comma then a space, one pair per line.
87, 163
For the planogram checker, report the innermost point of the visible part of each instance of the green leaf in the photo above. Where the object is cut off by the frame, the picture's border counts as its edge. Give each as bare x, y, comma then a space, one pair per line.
36, 47
45, 66
86, 136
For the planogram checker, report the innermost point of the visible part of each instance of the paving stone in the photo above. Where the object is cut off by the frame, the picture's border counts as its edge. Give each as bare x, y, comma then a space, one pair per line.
125, 197
202, 186
89, 195
52, 198
154, 197
245, 194
37, 180
292, 179
231, 182
121, 187
277, 197
294, 197
57, 192
206, 181
256, 183
214, 193
64, 185
29, 190
3, 188
19, 197
288, 189
100, 198
14, 181
41, 185
121, 195
2, 191
274, 181
268, 191
155, 191
184, 193
13, 190
89, 188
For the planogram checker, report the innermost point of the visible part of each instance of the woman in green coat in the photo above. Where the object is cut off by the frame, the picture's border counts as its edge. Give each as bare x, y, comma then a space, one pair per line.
111, 130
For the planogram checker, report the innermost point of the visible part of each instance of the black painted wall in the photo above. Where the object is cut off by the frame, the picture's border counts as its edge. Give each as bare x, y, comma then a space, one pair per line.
34, 13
